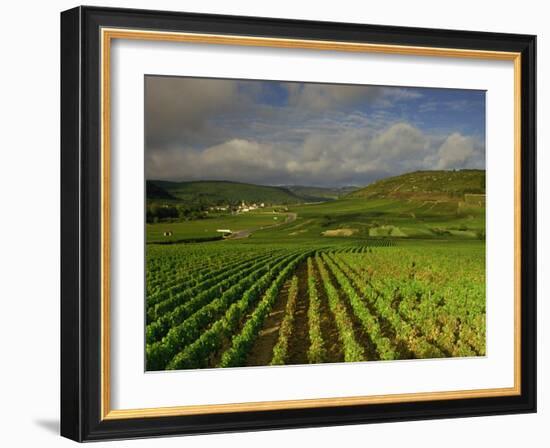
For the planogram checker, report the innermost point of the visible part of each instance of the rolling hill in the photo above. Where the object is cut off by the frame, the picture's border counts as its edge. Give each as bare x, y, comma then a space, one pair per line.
426, 185
317, 194
153, 191
451, 185
223, 192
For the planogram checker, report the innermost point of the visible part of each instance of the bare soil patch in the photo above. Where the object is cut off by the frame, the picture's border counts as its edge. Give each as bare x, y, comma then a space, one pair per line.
340, 232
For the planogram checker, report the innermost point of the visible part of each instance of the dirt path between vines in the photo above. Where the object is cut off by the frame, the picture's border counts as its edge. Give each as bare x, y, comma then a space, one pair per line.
299, 341
262, 350
361, 335
329, 331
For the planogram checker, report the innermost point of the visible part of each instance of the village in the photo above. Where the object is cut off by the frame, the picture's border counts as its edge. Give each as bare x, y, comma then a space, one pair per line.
243, 207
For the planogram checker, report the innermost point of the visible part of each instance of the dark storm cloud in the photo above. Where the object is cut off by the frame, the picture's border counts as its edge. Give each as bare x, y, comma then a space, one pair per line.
178, 109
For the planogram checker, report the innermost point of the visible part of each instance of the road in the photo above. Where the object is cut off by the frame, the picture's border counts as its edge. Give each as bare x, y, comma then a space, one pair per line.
245, 233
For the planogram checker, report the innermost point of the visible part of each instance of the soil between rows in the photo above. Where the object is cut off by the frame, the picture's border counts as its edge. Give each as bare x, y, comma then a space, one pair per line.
262, 350
299, 342
329, 330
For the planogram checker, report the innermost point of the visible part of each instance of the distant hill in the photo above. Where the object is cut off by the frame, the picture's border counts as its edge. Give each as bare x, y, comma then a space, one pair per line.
153, 191
224, 192
426, 185
317, 194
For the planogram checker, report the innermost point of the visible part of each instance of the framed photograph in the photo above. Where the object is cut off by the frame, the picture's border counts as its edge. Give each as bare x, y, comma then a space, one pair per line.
276, 224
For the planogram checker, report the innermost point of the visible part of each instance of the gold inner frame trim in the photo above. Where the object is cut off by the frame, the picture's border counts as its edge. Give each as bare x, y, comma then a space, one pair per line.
107, 35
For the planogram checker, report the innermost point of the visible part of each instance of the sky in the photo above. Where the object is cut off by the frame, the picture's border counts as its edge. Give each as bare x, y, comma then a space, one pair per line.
291, 133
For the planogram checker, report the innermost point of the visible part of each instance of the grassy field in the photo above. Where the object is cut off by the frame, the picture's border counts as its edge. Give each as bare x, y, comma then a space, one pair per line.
373, 218
368, 277
207, 228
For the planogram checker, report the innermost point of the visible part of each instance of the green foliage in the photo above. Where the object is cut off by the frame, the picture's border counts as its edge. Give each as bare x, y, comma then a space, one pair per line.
241, 343
412, 206
197, 354
316, 194
190, 329
172, 212
316, 351
434, 301
227, 193
179, 307
352, 350
417, 291
370, 323
419, 300
451, 184
280, 351
193, 230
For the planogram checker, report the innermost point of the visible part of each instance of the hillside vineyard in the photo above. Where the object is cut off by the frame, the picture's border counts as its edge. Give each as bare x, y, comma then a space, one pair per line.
392, 271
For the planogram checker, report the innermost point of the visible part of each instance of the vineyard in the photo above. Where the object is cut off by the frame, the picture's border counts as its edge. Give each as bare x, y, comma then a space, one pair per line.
225, 304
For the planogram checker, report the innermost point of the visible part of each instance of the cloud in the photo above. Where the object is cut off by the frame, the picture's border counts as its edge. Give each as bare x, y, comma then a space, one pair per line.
178, 108
429, 106
401, 140
294, 133
236, 160
456, 152
351, 156
458, 105
324, 96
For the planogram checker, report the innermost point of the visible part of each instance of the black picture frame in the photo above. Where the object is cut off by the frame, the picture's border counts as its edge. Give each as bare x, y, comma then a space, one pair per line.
81, 224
